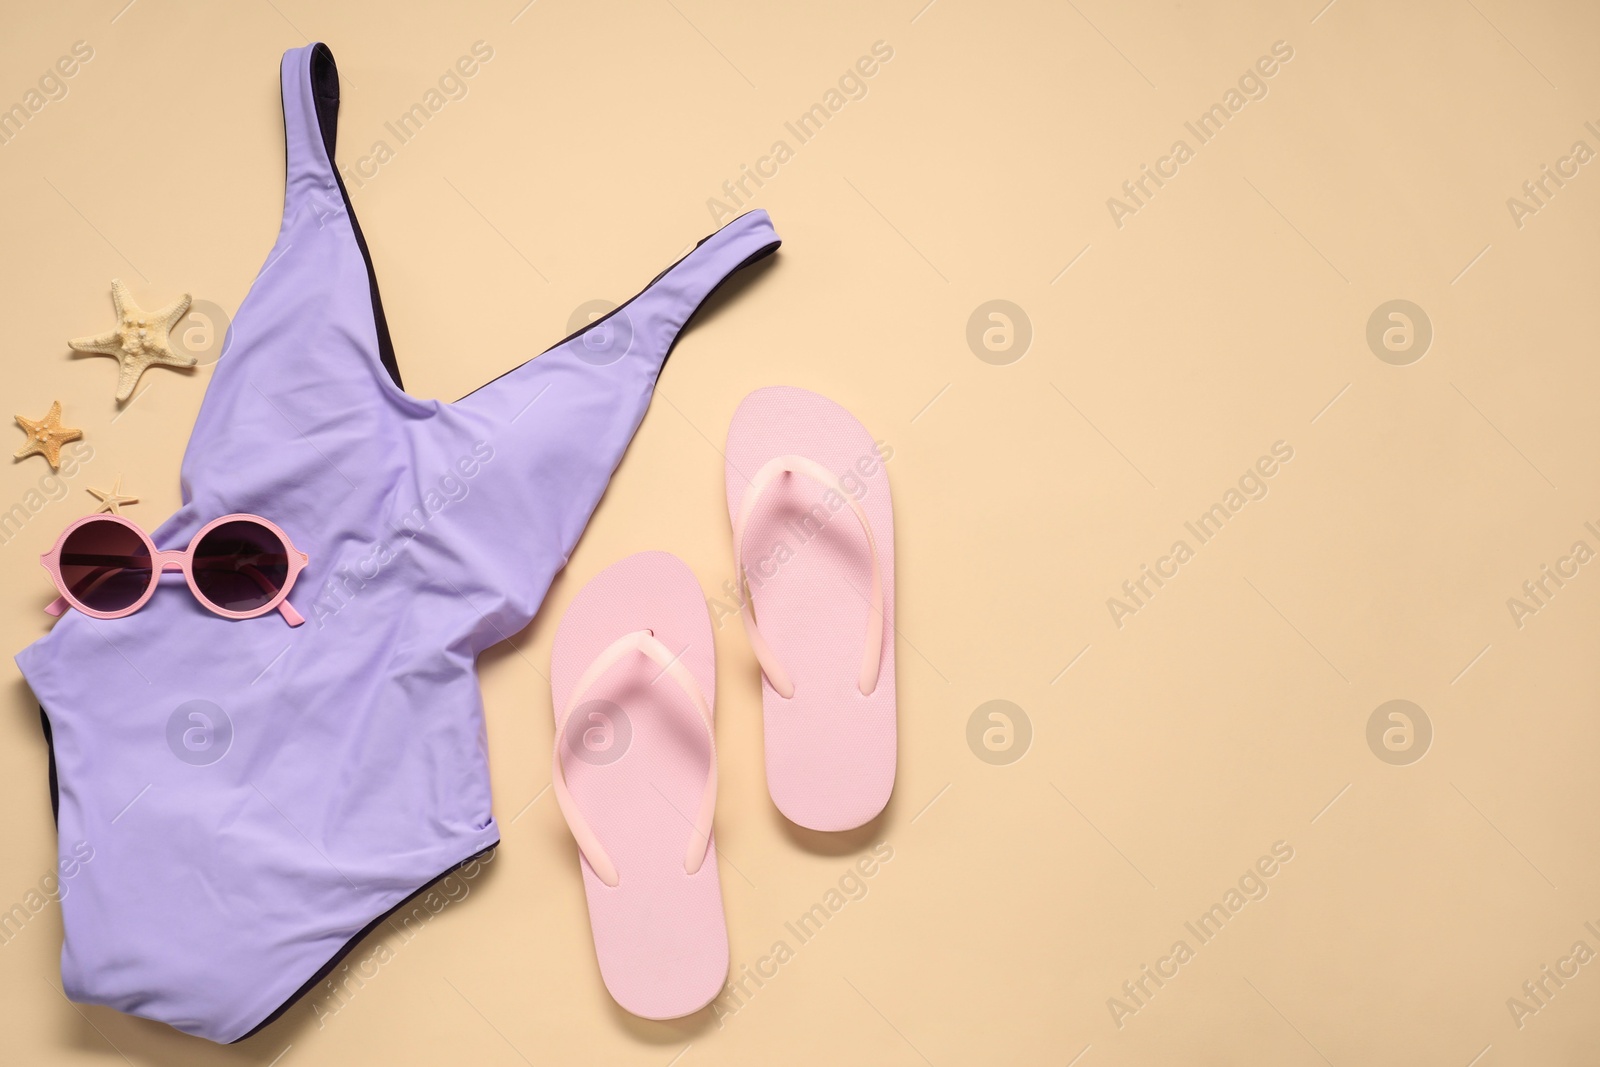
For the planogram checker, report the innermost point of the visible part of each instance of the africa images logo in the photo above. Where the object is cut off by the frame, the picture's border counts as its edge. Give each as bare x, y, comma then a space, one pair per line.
1137, 593
1205, 127
199, 732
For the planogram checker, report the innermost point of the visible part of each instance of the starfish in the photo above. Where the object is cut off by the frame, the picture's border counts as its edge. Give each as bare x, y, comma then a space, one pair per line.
140, 339
111, 502
46, 436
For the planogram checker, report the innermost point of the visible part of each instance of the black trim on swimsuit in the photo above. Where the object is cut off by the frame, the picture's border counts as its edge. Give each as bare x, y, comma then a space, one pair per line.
755, 257
50, 748
325, 92
349, 945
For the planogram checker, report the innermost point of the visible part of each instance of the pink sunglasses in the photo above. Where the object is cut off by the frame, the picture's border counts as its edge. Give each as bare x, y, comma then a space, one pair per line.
238, 566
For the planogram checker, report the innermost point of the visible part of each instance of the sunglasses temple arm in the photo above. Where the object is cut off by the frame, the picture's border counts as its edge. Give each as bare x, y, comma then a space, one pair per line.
57, 607
286, 609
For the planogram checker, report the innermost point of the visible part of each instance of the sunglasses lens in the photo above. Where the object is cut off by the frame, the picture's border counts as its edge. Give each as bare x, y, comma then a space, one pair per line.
106, 566
240, 565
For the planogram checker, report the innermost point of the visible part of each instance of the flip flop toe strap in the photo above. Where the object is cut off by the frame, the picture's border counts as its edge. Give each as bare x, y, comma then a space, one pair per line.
646, 644
871, 656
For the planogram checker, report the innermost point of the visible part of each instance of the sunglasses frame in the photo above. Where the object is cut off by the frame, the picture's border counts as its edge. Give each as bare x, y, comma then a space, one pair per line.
181, 559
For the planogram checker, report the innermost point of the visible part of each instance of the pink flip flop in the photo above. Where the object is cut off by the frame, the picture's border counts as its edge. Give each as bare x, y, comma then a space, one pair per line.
813, 535
633, 679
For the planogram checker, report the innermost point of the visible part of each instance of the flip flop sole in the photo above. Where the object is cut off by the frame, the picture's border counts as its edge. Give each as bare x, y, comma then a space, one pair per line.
830, 751
636, 761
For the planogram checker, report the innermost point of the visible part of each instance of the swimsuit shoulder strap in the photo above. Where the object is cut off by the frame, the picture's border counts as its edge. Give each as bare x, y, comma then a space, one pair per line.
310, 124
641, 333
310, 83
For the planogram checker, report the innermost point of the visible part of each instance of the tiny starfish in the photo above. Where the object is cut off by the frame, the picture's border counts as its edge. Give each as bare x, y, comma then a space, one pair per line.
46, 436
111, 502
140, 339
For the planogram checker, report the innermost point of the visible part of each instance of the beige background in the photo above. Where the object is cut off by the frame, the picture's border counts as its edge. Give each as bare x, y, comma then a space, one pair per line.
1229, 313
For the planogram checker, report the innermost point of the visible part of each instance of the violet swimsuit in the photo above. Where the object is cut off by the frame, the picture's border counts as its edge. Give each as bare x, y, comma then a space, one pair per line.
356, 773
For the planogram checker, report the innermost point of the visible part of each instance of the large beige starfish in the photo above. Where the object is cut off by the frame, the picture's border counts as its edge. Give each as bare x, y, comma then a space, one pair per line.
46, 436
140, 339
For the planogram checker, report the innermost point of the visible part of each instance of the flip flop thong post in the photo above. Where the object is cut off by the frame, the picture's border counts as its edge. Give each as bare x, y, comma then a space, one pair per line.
633, 680
813, 533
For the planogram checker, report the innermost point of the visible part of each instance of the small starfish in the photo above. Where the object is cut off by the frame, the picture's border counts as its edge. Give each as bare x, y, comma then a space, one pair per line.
46, 436
140, 339
111, 502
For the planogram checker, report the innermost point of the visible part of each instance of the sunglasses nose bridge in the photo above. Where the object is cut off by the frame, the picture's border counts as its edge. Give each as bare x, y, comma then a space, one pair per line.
169, 561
